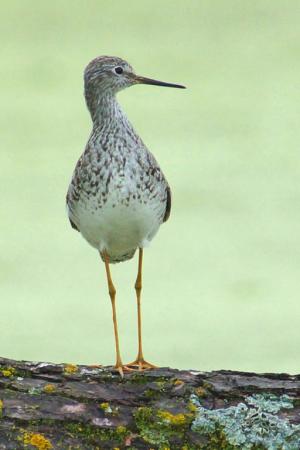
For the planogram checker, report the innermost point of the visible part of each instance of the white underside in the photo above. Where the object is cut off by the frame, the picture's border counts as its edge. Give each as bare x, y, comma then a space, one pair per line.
120, 229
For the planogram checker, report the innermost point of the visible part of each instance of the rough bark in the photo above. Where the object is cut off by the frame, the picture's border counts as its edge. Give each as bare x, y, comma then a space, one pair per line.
64, 406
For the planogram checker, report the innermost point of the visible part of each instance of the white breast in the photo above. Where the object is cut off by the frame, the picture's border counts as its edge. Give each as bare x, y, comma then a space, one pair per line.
119, 228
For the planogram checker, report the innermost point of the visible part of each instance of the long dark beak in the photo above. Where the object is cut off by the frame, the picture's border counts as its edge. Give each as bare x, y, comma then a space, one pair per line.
144, 80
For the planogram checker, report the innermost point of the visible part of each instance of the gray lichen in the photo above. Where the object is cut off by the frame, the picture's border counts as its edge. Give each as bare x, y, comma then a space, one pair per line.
252, 424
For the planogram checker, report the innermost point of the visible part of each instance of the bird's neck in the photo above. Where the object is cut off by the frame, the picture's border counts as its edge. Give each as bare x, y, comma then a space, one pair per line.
104, 108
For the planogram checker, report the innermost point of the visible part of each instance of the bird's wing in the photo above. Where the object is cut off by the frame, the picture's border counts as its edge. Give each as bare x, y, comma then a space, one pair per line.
74, 194
168, 205
73, 225
158, 176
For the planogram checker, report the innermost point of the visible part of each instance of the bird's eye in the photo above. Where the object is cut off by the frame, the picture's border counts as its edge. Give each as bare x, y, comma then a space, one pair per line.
119, 70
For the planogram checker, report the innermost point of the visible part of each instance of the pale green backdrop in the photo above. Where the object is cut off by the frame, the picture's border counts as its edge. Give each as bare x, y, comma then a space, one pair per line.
221, 279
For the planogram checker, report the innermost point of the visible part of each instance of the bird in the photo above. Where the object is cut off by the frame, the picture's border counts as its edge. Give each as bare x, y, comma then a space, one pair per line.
118, 195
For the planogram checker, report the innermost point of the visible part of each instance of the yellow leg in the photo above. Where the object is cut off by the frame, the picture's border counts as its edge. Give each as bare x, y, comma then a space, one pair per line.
140, 362
112, 294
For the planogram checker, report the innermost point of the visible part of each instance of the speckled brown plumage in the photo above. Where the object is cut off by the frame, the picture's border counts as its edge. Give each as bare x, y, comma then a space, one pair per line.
118, 196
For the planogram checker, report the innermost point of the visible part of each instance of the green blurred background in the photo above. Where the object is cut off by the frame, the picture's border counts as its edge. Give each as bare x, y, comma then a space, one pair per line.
221, 278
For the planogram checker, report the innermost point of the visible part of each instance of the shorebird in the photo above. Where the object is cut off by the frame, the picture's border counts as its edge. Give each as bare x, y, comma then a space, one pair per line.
118, 196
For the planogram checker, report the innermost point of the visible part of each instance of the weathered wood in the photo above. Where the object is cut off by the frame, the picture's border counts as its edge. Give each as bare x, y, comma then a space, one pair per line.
63, 406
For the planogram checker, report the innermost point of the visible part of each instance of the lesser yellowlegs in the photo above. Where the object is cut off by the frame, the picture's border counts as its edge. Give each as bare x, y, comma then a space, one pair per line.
118, 196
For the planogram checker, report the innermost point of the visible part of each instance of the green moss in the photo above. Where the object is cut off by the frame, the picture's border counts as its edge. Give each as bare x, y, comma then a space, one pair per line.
92, 435
161, 384
152, 394
138, 378
141, 378
156, 389
88, 435
296, 402
160, 427
207, 386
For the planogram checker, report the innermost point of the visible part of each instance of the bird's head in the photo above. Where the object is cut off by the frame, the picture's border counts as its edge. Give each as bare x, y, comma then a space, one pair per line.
111, 74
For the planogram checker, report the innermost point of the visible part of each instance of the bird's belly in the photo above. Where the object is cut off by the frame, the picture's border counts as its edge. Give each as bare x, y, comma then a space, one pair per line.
119, 227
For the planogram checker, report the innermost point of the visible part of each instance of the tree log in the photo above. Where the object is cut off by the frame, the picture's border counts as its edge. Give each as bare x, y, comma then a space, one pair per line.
64, 406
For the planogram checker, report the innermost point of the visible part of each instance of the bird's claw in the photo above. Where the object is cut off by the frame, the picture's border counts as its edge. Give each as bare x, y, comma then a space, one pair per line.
123, 368
140, 364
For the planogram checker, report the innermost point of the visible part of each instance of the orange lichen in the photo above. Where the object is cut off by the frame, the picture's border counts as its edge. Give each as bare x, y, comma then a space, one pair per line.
8, 371
37, 440
70, 368
192, 408
201, 392
105, 406
173, 419
49, 388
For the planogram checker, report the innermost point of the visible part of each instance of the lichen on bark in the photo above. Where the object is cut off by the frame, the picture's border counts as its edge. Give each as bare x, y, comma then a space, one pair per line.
69, 406
253, 423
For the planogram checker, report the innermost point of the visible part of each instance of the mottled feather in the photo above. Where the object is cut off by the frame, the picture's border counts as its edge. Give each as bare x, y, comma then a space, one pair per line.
118, 196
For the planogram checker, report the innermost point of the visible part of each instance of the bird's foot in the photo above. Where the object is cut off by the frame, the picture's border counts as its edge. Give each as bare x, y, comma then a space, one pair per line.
140, 364
121, 368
